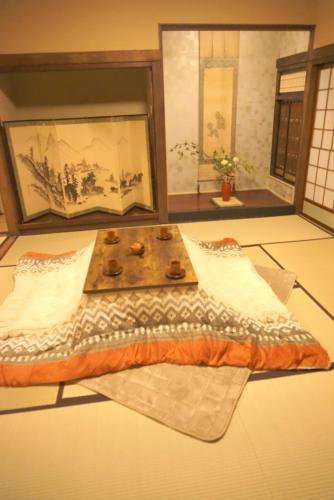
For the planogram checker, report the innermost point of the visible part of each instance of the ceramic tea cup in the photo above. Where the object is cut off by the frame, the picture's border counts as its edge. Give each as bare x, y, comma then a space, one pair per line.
164, 231
175, 267
113, 266
137, 248
111, 234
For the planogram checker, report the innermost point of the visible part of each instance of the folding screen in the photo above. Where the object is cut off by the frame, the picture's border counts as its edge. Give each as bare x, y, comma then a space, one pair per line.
73, 167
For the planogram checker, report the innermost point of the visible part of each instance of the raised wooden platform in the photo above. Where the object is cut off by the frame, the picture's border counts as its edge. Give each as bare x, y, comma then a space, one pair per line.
256, 203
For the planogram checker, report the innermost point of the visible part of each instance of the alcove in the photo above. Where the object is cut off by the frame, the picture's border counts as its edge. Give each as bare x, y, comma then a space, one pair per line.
80, 86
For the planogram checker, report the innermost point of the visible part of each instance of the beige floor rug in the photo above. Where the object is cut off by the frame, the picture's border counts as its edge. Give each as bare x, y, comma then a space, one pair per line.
196, 400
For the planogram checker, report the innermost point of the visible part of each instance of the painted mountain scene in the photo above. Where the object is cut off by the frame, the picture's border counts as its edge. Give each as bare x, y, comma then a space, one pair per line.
72, 167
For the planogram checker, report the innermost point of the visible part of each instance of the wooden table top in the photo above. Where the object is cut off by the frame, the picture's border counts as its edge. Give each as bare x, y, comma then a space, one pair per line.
145, 271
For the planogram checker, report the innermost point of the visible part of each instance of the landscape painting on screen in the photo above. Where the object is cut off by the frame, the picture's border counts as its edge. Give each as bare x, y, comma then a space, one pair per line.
75, 166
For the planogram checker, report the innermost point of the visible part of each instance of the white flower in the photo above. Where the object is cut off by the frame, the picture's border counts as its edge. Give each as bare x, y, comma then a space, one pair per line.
236, 159
224, 162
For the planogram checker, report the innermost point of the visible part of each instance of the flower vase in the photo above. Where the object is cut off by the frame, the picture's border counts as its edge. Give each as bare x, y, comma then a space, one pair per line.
226, 190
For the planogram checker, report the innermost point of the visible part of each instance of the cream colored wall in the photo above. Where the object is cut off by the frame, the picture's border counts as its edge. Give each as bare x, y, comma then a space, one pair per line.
83, 25
255, 105
181, 85
292, 42
280, 188
324, 33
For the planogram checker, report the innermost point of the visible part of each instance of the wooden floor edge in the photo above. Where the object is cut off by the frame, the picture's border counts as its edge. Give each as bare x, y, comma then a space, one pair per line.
6, 245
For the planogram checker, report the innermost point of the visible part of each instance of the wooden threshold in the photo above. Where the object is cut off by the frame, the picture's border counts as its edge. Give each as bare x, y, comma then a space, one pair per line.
51, 223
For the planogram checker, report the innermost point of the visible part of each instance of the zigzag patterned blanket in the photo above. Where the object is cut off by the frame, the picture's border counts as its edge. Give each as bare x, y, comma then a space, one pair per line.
232, 318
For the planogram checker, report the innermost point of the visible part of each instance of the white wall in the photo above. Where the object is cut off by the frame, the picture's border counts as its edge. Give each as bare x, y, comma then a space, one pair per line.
181, 79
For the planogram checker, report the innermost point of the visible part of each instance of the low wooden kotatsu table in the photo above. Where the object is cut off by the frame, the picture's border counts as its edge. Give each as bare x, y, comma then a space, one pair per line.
138, 271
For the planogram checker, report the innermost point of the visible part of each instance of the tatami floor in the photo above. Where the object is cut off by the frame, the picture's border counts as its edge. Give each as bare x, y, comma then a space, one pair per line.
65, 442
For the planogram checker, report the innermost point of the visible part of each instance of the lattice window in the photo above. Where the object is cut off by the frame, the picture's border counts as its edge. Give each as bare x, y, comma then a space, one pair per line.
287, 126
288, 139
320, 175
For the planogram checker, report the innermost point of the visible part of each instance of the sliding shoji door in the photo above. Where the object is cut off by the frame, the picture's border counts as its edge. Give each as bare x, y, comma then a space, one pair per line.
319, 189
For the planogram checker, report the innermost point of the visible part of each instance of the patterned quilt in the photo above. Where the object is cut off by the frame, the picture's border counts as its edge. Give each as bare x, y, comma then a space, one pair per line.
232, 318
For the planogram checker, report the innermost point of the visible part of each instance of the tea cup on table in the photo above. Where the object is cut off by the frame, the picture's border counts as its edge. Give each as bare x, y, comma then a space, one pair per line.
112, 266
137, 248
175, 267
111, 234
164, 231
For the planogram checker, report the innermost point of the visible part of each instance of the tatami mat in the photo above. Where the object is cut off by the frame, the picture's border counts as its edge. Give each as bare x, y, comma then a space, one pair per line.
252, 231
6, 282
27, 397
246, 231
289, 422
53, 243
105, 451
74, 390
313, 262
259, 257
273, 449
280, 441
313, 319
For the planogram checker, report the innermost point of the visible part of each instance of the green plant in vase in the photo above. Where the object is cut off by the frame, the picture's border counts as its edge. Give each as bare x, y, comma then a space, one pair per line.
226, 165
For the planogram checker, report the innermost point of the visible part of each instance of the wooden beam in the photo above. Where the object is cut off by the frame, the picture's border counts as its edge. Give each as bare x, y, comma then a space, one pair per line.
306, 133
160, 140
291, 63
75, 60
7, 188
323, 55
235, 27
